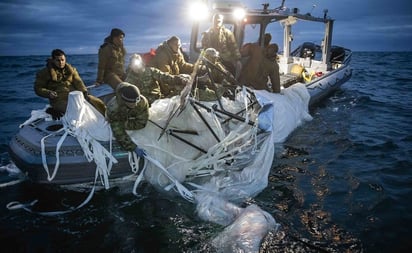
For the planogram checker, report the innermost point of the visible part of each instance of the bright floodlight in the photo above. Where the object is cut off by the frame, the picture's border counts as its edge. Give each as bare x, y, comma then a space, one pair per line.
198, 11
239, 13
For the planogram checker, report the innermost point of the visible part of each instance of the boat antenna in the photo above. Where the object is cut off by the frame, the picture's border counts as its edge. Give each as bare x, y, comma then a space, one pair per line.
265, 8
325, 13
282, 5
310, 12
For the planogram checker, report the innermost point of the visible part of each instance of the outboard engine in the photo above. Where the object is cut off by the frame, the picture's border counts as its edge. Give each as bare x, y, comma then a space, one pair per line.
337, 54
308, 50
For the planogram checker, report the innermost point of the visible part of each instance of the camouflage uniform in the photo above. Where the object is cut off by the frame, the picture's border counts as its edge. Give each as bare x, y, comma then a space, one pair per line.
212, 83
168, 61
259, 68
62, 81
223, 41
153, 83
111, 63
122, 118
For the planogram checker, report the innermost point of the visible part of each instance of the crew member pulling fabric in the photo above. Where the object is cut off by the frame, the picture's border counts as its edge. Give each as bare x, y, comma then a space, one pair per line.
128, 110
153, 83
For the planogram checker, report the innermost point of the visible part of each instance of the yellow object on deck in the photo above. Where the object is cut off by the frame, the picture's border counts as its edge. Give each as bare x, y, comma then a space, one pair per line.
296, 70
308, 76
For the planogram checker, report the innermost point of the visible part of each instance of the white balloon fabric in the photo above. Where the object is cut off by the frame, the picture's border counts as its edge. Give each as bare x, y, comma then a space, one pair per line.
210, 158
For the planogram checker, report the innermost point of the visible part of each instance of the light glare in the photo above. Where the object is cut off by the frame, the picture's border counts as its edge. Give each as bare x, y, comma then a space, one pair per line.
198, 11
239, 13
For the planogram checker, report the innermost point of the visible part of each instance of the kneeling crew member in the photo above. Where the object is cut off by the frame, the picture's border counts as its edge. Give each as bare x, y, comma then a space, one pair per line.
128, 110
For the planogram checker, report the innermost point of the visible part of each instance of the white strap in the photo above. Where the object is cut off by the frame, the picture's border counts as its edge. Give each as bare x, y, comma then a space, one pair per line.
15, 205
184, 192
43, 154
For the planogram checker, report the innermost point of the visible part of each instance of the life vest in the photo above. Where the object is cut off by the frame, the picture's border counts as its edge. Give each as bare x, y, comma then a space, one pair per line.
147, 57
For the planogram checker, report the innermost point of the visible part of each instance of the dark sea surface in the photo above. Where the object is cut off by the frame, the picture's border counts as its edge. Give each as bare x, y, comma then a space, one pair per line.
340, 183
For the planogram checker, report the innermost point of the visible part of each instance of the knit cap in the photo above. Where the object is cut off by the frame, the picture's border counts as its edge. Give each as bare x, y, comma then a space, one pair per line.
130, 94
116, 32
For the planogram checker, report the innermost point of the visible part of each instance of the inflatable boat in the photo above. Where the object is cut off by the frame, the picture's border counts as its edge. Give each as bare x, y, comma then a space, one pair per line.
308, 74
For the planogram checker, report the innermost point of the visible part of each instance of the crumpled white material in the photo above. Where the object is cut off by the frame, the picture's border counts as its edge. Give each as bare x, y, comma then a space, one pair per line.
37, 114
289, 110
82, 116
89, 126
226, 163
246, 232
217, 185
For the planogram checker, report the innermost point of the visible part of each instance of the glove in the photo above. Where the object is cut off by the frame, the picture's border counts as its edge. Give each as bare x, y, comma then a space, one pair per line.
98, 83
56, 115
52, 94
184, 79
140, 152
186, 76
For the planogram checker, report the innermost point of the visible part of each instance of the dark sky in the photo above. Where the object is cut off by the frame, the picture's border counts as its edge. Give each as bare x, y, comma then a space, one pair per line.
35, 27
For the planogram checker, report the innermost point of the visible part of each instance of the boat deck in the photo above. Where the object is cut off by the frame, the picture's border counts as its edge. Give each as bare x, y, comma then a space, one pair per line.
287, 80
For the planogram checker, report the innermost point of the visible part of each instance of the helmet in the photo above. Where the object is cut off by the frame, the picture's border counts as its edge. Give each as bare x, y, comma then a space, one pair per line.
211, 54
136, 63
130, 93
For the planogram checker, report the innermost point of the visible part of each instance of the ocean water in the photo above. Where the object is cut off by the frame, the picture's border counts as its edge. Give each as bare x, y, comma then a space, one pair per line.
340, 183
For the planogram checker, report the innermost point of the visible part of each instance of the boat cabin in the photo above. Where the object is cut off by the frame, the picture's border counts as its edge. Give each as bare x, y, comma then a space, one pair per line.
250, 25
